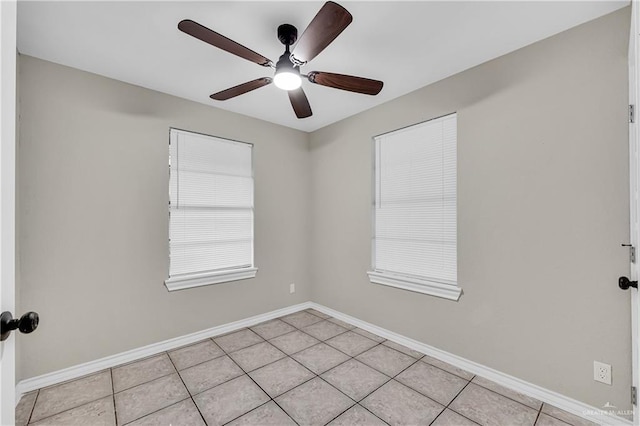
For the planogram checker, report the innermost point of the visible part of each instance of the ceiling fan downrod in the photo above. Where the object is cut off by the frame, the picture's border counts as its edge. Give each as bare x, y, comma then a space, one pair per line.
287, 77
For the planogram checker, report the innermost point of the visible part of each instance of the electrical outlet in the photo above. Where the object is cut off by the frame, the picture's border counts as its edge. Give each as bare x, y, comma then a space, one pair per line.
292, 288
602, 372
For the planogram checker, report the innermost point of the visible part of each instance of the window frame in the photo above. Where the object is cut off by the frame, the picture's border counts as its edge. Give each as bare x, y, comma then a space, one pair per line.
199, 279
440, 288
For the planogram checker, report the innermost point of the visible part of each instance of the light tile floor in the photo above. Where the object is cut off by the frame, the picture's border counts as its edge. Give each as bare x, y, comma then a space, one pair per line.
305, 368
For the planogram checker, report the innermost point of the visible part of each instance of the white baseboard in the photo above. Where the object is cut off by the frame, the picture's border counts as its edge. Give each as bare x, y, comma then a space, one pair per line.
90, 367
563, 402
550, 397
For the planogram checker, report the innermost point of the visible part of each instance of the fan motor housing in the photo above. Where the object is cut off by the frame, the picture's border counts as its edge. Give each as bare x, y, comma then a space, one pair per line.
287, 34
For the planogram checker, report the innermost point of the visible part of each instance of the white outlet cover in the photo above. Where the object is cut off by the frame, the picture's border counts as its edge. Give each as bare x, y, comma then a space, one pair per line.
292, 288
602, 372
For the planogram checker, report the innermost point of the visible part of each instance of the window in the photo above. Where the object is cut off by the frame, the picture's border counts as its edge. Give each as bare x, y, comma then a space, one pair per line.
414, 239
210, 210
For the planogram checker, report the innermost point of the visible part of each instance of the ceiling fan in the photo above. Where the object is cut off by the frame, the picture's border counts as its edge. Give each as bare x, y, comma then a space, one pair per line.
328, 23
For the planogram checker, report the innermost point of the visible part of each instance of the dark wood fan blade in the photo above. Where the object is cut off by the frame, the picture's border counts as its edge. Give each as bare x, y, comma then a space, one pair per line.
346, 82
300, 103
328, 23
241, 89
221, 42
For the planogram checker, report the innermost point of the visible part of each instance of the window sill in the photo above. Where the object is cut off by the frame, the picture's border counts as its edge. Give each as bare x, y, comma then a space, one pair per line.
446, 291
197, 280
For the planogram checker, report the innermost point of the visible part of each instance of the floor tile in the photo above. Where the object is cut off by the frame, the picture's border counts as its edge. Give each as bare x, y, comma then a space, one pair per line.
396, 404
351, 343
317, 313
516, 396
301, 319
184, 413
230, 400
355, 379
238, 340
191, 355
314, 403
451, 418
274, 328
59, 398
209, 374
386, 360
96, 413
405, 350
433, 382
342, 323
368, 335
320, 358
24, 408
293, 342
136, 373
267, 414
547, 420
357, 416
281, 376
144, 399
256, 356
324, 330
489, 408
564, 416
447, 367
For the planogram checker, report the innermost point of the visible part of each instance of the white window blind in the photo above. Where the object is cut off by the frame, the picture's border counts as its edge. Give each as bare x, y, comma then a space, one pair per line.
211, 209
415, 205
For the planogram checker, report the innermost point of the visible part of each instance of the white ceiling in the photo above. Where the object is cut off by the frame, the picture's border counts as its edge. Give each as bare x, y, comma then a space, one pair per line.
407, 45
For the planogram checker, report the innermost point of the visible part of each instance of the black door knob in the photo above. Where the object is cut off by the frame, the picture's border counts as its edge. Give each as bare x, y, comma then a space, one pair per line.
624, 283
26, 324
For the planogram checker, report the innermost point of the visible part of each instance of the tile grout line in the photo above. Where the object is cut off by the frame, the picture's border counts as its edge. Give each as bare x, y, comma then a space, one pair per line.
416, 360
228, 354
260, 387
477, 384
324, 320
342, 392
33, 408
113, 397
160, 409
556, 418
538, 416
508, 397
155, 411
254, 409
291, 356
375, 389
187, 389
354, 357
71, 408
440, 368
198, 363
454, 398
356, 402
342, 412
158, 355
349, 355
439, 414
225, 353
303, 366
68, 409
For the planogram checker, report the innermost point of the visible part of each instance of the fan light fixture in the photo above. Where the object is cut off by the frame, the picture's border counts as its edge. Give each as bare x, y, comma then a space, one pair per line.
287, 77
328, 23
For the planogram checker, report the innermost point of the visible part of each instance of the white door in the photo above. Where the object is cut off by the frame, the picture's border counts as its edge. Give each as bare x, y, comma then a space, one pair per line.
7, 201
634, 166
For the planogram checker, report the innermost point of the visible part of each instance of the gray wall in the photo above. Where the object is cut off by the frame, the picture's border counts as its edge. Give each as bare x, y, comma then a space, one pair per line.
93, 223
542, 209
